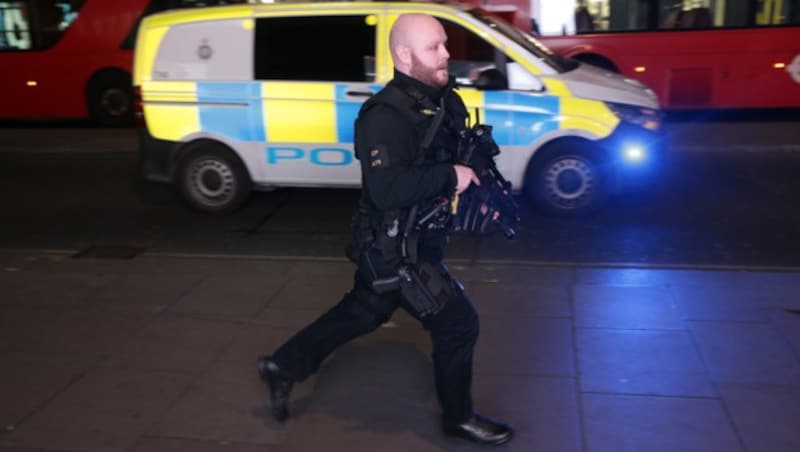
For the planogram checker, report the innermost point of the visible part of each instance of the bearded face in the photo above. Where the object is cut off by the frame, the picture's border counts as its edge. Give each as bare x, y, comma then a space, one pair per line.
434, 73
419, 48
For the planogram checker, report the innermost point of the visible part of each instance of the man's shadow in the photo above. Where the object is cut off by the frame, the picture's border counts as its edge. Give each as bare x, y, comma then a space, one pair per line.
378, 385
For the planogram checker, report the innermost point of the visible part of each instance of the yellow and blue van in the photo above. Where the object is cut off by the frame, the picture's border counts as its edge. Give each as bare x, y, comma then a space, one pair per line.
243, 97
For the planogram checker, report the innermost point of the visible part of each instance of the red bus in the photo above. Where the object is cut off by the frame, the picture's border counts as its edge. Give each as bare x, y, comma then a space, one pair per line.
71, 58
695, 54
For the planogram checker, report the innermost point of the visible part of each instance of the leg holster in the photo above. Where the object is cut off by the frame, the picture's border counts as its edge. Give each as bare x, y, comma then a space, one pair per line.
426, 287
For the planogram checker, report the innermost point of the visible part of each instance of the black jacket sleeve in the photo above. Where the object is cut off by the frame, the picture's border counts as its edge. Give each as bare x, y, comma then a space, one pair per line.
387, 147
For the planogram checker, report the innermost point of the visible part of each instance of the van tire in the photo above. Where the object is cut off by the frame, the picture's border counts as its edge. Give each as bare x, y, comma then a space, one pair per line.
212, 178
109, 98
566, 180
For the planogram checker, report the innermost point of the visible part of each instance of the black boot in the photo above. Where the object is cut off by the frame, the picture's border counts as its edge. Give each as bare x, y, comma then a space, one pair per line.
278, 385
481, 429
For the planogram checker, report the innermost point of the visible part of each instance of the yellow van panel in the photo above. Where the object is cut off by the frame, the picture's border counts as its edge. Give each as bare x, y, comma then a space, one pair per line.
590, 115
170, 109
172, 122
169, 91
147, 45
286, 102
472, 99
179, 16
556, 87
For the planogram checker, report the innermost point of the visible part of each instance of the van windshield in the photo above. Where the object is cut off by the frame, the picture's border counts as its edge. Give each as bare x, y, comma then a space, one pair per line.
554, 60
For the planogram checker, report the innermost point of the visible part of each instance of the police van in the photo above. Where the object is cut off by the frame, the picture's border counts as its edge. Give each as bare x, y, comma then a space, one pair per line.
253, 97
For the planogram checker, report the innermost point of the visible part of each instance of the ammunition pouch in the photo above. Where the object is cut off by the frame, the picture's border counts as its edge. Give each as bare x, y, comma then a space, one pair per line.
363, 235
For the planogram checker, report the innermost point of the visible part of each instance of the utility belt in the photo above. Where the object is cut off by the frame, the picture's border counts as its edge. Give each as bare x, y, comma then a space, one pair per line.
388, 260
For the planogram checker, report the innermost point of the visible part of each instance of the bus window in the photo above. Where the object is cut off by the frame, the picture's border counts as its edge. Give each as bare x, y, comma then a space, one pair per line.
35, 24
15, 30
696, 54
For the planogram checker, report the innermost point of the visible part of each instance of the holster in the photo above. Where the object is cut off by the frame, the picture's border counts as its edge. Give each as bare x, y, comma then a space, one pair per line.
426, 288
388, 263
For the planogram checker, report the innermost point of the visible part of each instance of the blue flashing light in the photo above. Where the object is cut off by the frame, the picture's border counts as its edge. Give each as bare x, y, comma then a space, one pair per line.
633, 153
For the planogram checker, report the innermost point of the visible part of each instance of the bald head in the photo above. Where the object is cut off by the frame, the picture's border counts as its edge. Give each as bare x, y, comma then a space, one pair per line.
418, 48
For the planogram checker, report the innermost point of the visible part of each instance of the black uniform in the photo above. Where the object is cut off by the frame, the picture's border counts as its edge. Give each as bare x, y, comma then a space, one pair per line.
398, 174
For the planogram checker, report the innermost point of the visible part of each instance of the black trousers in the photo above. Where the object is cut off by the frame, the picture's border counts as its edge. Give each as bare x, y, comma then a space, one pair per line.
453, 332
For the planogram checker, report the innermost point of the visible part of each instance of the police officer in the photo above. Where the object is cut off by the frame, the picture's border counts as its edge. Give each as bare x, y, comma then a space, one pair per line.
405, 137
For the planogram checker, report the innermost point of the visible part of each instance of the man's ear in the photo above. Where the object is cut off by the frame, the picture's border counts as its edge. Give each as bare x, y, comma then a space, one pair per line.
404, 53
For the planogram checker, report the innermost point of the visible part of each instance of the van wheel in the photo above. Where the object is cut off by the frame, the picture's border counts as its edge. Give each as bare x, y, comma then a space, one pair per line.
567, 182
212, 179
109, 98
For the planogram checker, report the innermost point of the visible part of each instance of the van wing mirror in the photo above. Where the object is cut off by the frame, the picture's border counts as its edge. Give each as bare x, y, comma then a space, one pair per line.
491, 79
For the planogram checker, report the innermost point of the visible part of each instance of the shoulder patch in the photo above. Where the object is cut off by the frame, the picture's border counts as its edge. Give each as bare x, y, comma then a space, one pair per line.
379, 157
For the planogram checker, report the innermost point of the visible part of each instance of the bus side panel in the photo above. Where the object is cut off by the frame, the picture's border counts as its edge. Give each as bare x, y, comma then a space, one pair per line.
713, 68
51, 81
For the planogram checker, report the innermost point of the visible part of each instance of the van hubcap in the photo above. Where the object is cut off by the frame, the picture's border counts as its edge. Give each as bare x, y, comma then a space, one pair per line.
569, 181
213, 180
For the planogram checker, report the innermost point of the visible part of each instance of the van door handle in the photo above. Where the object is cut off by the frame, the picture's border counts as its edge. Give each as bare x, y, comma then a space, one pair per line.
360, 93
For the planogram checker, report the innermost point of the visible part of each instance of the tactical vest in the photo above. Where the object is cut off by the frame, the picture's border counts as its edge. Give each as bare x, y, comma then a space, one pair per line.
420, 112
438, 138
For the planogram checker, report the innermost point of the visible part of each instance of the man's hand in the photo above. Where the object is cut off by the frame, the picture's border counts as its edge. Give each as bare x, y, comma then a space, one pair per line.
465, 176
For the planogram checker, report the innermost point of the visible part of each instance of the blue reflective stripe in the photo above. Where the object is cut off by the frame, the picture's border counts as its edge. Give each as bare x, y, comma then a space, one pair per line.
243, 122
256, 108
497, 115
533, 124
347, 110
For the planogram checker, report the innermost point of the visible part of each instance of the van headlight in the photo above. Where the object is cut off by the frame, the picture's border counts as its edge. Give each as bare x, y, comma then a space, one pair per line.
648, 118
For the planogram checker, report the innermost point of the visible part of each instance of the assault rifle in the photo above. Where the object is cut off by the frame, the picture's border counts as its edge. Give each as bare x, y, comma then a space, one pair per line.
490, 204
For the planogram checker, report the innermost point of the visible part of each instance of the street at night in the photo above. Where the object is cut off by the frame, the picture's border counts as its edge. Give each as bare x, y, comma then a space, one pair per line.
725, 197
646, 299
667, 321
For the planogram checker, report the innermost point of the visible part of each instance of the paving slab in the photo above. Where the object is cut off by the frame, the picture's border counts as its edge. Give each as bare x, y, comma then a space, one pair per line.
726, 302
746, 353
524, 300
157, 353
228, 295
30, 381
175, 343
641, 362
765, 415
657, 424
525, 346
626, 307
106, 410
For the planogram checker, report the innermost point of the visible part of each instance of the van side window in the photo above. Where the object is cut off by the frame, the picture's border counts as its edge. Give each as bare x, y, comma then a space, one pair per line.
329, 48
472, 59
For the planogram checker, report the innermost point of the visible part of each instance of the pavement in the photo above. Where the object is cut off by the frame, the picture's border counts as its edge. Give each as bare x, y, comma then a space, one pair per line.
156, 352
